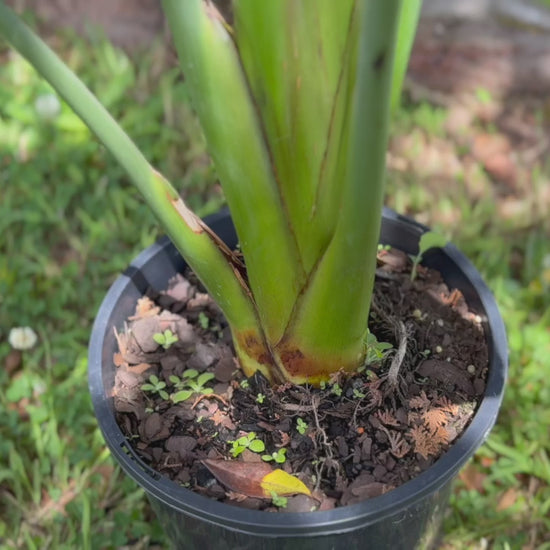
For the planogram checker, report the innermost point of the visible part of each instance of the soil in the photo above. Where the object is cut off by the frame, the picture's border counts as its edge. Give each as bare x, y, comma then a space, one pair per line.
358, 437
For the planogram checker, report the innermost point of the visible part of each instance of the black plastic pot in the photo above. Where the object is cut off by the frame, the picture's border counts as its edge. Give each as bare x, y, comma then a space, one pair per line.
406, 518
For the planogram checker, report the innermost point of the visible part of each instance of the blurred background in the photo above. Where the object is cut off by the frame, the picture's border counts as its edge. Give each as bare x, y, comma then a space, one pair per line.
469, 155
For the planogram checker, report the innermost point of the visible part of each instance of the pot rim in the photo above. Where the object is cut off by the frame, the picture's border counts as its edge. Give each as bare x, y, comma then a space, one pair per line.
341, 519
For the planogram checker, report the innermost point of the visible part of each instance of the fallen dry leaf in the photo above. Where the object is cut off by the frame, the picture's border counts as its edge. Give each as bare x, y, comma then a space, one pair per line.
507, 499
139, 369
240, 477
282, 483
472, 478
255, 479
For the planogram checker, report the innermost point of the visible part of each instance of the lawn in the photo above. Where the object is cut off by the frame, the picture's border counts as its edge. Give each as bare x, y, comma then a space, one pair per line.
70, 222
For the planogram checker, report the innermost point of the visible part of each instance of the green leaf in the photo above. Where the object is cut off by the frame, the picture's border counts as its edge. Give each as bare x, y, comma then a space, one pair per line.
190, 373
159, 338
180, 396
431, 239
257, 446
164, 395
204, 378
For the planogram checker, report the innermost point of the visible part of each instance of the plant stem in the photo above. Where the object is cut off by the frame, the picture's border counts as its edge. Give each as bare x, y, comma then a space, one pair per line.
205, 253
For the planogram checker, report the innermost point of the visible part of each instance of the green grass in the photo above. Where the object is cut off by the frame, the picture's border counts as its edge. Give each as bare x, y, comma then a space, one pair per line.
70, 222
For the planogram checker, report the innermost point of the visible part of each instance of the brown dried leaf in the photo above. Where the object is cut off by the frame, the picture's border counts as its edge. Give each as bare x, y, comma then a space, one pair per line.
507, 499
139, 369
221, 417
145, 308
240, 477
472, 478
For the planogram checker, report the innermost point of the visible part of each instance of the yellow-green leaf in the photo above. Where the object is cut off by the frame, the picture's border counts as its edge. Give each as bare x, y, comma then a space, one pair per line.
283, 484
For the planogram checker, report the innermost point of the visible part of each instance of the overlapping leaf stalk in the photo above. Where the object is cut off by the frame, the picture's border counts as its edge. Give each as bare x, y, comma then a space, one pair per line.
294, 99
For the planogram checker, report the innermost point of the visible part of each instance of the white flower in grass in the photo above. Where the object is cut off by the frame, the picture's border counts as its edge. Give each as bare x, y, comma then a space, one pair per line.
22, 338
47, 106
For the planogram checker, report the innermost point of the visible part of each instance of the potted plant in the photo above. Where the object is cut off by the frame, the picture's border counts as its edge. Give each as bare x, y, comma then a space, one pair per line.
295, 102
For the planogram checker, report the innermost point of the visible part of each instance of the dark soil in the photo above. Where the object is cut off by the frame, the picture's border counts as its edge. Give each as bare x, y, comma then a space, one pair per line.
358, 437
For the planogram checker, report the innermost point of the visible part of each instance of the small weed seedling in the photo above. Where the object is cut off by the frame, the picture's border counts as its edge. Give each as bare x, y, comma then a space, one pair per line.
358, 394
247, 441
204, 321
278, 501
155, 386
278, 456
301, 426
260, 398
430, 239
376, 351
191, 383
165, 339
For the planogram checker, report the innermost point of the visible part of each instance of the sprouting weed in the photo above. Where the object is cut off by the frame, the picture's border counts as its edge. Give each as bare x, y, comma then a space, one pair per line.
301, 426
156, 386
278, 500
260, 398
204, 321
165, 339
358, 394
245, 384
376, 351
247, 441
428, 240
336, 389
278, 456
189, 384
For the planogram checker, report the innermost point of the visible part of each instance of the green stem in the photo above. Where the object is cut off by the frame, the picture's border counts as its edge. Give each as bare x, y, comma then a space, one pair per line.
201, 250
220, 95
340, 290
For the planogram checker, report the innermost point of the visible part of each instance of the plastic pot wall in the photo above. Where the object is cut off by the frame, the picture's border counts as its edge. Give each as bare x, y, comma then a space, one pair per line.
406, 518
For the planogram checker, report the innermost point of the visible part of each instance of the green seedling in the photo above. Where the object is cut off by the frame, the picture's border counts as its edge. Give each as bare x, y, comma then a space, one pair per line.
301, 426
336, 389
358, 394
278, 456
430, 239
191, 383
245, 384
204, 321
165, 339
278, 501
155, 386
260, 398
247, 441
376, 351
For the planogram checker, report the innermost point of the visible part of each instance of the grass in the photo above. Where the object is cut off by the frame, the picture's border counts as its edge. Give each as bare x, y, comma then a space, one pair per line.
70, 222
